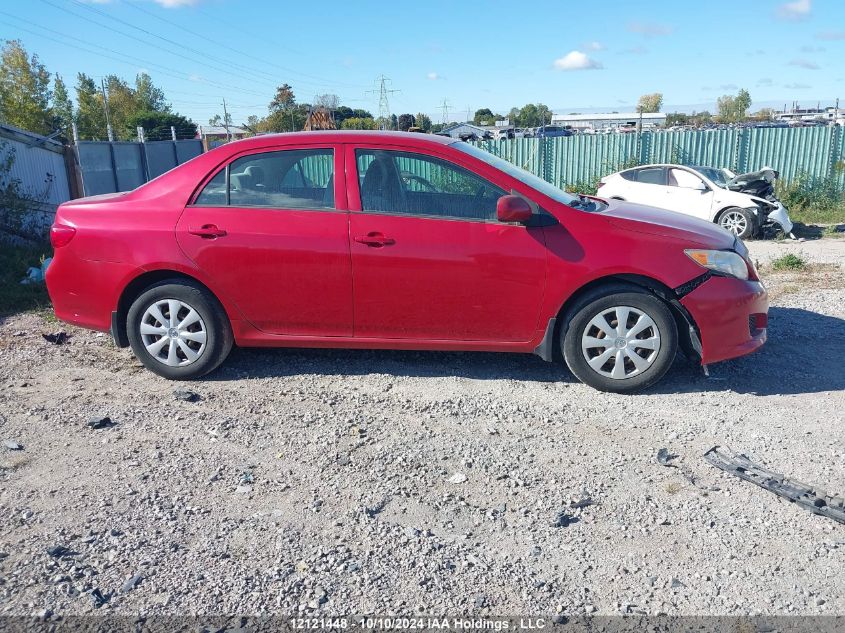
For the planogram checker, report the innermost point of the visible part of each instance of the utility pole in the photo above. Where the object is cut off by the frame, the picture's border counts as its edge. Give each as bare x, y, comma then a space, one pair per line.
383, 103
445, 108
106, 104
226, 120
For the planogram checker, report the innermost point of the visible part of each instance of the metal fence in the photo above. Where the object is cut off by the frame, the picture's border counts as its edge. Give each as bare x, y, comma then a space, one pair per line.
38, 164
816, 151
108, 167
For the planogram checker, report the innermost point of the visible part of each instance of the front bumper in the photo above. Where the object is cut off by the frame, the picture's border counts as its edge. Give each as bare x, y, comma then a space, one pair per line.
731, 315
778, 216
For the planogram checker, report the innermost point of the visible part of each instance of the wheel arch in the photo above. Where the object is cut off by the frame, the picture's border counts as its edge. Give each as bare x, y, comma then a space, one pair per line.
139, 284
688, 332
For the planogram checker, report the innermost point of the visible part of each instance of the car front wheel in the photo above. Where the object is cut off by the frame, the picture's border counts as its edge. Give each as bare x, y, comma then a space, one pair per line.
738, 221
178, 330
620, 339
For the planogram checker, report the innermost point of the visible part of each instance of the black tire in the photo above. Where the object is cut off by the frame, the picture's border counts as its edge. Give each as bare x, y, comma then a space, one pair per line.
213, 322
602, 301
750, 222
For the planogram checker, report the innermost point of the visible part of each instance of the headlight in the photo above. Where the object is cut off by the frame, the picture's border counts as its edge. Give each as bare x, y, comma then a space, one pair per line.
725, 262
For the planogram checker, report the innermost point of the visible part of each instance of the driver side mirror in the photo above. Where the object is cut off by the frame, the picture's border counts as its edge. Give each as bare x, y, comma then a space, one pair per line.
701, 187
513, 209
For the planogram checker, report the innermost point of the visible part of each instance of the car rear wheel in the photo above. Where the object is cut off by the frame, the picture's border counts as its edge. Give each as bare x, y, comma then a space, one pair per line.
178, 330
738, 221
620, 339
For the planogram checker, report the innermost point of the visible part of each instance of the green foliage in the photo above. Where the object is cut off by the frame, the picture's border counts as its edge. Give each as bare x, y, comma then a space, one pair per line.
813, 200
588, 186
24, 90
734, 108
359, 123
14, 262
790, 261
531, 115
90, 112
650, 102
62, 109
149, 97
157, 125
423, 122
406, 121
15, 201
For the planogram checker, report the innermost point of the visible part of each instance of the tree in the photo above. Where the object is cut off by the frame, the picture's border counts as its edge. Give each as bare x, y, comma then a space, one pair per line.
359, 123
221, 120
157, 125
532, 115
677, 118
283, 100
733, 108
149, 97
406, 121
24, 90
62, 109
765, 114
90, 113
650, 102
483, 116
423, 122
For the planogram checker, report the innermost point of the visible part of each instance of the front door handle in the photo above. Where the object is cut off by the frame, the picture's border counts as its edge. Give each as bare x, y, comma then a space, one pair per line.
375, 239
208, 231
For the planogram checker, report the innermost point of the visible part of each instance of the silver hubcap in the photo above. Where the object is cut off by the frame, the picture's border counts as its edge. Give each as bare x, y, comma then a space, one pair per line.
734, 222
173, 332
621, 342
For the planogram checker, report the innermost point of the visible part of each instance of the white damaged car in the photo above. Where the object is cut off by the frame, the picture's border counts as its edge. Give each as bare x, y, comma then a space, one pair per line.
741, 204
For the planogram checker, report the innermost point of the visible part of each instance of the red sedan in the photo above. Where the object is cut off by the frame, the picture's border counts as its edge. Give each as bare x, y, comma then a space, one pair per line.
398, 241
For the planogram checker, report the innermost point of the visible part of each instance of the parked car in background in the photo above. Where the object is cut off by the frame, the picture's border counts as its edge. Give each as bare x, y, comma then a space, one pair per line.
701, 192
552, 131
257, 243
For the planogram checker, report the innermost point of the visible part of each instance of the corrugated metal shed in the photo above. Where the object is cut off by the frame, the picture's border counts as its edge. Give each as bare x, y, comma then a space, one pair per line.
39, 165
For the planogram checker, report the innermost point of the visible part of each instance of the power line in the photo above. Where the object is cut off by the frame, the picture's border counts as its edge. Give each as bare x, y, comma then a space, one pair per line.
322, 81
383, 102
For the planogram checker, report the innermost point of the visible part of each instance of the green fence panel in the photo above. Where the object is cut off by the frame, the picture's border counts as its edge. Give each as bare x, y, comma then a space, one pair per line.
817, 151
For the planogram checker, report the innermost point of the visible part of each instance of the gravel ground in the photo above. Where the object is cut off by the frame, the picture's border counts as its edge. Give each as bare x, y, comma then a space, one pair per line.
345, 482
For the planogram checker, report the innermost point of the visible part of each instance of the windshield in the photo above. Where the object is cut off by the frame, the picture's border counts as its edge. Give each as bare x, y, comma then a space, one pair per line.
717, 176
546, 188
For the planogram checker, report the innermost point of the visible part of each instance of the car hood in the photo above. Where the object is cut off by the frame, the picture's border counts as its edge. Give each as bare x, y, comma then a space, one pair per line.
654, 221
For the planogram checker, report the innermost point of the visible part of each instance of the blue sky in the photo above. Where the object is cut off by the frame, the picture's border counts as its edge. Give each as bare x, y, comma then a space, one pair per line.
569, 55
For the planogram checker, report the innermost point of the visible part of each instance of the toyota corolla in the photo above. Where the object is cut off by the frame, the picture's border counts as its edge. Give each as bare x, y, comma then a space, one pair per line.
398, 241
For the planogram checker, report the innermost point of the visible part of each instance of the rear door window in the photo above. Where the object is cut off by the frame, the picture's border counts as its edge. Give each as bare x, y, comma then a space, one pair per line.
286, 179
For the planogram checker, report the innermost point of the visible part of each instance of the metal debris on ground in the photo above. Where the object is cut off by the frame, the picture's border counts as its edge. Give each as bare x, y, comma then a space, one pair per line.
664, 457
98, 598
101, 422
57, 551
12, 445
808, 497
186, 396
57, 338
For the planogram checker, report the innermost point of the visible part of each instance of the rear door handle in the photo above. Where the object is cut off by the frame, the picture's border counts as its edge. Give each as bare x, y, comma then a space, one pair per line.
375, 239
208, 231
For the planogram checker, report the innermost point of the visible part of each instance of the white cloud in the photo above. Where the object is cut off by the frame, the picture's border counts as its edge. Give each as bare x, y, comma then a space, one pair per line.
433, 76
576, 60
797, 86
194, 77
174, 4
594, 46
649, 29
804, 63
796, 10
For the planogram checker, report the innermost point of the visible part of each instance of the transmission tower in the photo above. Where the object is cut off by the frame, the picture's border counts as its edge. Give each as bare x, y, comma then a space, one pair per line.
445, 107
383, 103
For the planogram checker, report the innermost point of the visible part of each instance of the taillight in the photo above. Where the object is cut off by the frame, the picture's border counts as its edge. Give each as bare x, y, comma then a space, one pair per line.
61, 235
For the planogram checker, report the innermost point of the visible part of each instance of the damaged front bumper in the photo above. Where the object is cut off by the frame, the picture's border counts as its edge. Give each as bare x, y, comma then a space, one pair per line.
780, 216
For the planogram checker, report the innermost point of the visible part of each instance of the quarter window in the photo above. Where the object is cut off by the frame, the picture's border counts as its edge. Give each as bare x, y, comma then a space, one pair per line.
416, 184
651, 176
288, 179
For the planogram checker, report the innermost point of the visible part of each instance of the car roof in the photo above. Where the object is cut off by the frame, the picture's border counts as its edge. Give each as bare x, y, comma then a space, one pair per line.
340, 136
